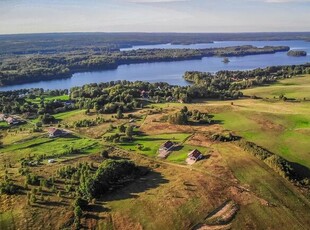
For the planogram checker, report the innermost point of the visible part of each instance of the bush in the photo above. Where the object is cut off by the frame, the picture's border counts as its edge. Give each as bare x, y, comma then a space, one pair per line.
32, 179
8, 188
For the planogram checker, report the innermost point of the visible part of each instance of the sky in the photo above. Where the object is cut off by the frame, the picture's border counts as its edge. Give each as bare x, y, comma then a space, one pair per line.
38, 16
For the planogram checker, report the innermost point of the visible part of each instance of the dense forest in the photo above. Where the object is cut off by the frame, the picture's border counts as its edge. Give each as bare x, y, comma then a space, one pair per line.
30, 68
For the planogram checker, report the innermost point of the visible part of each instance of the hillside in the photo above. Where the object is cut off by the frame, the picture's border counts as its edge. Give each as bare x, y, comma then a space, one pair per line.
228, 189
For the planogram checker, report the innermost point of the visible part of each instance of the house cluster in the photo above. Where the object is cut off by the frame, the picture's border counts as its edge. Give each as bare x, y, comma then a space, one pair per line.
167, 147
54, 132
10, 120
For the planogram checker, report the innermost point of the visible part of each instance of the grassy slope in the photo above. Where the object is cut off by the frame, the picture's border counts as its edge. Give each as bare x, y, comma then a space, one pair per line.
269, 186
298, 88
42, 145
281, 127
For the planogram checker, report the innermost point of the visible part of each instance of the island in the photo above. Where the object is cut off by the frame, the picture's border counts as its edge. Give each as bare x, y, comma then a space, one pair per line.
226, 60
297, 53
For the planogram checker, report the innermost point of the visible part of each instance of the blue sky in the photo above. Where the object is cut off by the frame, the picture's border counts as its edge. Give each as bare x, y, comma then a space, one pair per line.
28, 16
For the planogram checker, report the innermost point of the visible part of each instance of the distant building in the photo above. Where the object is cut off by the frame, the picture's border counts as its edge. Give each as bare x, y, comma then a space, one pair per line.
53, 132
165, 149
12, 121
194, 156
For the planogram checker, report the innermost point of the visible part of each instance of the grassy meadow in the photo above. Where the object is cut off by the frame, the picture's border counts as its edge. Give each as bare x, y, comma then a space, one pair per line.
297, 87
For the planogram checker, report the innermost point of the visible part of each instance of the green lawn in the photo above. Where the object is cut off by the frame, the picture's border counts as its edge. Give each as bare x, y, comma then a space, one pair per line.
49, 98
49, 146
284, 134
150, 144
297, 87
3, 124
180, 155
68, 114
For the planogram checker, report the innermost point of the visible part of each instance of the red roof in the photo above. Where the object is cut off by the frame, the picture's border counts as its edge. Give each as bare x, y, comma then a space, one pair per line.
54, 131
167, 145
195, 153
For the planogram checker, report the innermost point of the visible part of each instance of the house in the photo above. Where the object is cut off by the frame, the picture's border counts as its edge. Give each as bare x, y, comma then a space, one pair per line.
194, 156
12, 121
53, 132
165, 149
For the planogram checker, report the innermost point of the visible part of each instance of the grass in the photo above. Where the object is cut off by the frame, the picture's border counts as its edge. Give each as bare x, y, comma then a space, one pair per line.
297, 87
68, 114
267, 186
283, 128
150, 144
179, 156
49, 98
49, 147
7, 220
4, 124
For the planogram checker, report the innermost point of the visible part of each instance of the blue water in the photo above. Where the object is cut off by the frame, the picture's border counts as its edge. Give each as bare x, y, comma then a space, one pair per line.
172, 72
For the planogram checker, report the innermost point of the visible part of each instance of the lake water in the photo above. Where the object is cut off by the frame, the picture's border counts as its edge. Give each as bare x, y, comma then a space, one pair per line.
172, 72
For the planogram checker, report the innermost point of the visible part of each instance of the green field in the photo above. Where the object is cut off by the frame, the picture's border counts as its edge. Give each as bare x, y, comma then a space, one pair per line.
149, 145
48, 146
297, 87
282, 128
49, 98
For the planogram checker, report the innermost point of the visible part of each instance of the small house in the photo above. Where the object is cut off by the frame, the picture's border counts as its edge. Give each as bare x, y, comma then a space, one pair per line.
165, 149
167, 146
12, 121
53, 132
194, 156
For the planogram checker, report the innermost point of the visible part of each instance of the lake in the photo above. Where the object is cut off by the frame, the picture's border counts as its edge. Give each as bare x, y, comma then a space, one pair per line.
172, 72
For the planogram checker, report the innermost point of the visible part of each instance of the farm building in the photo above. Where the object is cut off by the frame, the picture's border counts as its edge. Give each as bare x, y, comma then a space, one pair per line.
53, 132
194, 156
12, 121
165, 149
